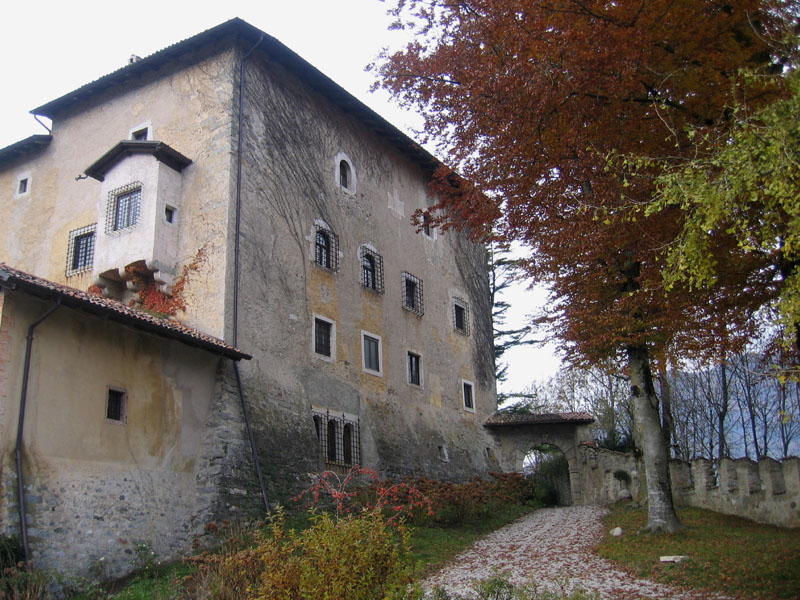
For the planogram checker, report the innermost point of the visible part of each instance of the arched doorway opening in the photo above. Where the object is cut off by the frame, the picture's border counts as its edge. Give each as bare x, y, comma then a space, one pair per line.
547, 466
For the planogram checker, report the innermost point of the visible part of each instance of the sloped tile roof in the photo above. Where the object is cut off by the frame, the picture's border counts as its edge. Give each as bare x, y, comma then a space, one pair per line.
501, 419
115, 311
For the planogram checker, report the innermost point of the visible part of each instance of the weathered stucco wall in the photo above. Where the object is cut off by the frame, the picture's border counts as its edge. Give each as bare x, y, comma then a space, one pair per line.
187, 105
294, 139
94, 487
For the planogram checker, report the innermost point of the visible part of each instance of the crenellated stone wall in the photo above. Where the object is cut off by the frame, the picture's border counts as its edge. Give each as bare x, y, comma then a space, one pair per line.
767, 491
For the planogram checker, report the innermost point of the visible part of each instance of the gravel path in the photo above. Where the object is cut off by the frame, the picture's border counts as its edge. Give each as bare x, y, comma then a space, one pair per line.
553, 548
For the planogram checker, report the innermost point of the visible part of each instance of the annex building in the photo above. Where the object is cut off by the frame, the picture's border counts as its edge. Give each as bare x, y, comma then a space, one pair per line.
214, 245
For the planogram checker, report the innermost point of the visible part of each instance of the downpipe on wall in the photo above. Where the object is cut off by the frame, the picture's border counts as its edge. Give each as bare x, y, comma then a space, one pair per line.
236, 271
23, 526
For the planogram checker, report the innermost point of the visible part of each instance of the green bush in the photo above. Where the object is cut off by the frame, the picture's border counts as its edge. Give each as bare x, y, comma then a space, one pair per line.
358, 557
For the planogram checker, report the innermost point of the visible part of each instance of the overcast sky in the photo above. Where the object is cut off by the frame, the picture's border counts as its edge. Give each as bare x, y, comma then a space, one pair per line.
50, 48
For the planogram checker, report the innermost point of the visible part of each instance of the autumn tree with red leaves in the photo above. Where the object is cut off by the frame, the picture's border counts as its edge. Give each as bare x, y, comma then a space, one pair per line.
529, 99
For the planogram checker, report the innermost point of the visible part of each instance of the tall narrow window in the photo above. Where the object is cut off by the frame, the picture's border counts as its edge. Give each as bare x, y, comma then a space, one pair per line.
426, 224
414, 364
460, 316
23, 187
468, 395
371, 269
323, 337
326, 248
116, 409
412, 294
123, 207
332, 434
344, 173
347, 443
371, 353
323, 246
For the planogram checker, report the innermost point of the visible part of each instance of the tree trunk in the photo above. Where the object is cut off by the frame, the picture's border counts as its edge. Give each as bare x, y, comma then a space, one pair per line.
666, 406
651, 440
723, 411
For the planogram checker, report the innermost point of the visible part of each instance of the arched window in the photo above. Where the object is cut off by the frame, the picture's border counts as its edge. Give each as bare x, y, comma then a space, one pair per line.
368, 271
344, 174
347, 444
331, 441
323, 249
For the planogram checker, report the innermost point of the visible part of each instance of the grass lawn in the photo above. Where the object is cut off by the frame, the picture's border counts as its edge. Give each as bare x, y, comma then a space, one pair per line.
727, 554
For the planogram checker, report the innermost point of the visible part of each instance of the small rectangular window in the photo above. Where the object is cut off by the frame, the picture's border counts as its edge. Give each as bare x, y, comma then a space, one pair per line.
323, 335
140, 135
414, 365
23, 186
80, 254
169, 214
460, 316
412, 294
371, 353
426, 224
116, 409
468, 395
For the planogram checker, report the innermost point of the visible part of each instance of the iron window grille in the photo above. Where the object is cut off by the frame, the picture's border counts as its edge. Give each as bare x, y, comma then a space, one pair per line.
412, 294
116, 406
339, 439
414, 373
322, 337
371, 270
461, 316
326, 248
80, 254
124, 205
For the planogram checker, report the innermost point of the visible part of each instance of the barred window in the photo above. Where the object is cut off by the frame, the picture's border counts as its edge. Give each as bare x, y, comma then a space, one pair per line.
116, 405
123, 209
371, 269
339, 438
80, 253
326, 248
412, 294
461, 316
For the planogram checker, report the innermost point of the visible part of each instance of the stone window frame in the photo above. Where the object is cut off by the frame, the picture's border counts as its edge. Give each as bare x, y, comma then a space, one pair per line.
373, 337
412, 294
444, 453
330, 261
468, 385
112, 208
331, 338
23, 180
135, 133
461, 306
421, 383
117, 394
366, 252
343, 164
73, 255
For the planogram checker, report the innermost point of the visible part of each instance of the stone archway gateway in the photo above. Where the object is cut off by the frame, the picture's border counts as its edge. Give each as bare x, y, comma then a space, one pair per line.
517, 433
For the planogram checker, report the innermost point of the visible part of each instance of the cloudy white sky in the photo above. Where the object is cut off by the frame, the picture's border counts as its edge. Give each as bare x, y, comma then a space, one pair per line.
49, 48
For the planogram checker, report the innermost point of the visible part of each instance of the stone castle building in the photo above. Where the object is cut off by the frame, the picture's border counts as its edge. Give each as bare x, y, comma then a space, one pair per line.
228, 183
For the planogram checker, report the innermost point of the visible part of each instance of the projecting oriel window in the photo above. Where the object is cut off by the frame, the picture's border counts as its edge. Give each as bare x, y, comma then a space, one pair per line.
80, 254
412, 294
371, 353
123, 209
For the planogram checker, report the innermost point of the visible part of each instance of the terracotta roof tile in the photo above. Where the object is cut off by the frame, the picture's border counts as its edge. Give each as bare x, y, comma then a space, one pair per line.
116, 311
